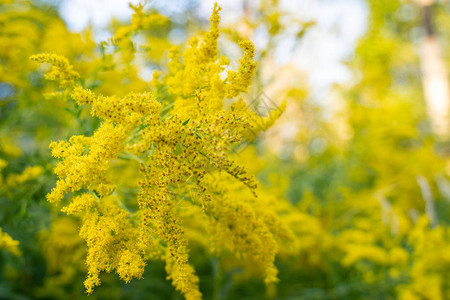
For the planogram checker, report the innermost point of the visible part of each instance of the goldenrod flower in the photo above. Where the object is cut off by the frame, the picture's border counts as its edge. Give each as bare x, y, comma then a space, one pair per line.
179, 142
9, 244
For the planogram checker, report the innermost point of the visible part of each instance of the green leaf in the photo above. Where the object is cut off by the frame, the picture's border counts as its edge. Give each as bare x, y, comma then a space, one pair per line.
185, 122
71, 111
197, 135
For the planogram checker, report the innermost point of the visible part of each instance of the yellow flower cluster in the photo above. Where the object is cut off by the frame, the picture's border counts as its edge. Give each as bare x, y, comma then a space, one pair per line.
9, 244
9, 149
430, 262
237, 225
29, 173
415, 259
111, 242
61, 69
85, 161
179, 142
64, 252
16, 180
139, 21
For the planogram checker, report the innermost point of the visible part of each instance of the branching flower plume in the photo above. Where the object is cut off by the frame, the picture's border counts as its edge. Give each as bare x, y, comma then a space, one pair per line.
181, 144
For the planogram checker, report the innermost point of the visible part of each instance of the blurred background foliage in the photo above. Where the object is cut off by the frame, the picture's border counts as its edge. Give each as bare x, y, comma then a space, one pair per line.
363, 181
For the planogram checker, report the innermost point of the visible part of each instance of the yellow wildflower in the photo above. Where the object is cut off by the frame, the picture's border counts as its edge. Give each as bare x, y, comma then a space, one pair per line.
7, 243
61, 70
179, 141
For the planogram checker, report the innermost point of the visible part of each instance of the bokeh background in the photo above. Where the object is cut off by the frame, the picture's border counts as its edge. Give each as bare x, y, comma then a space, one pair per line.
358, 165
